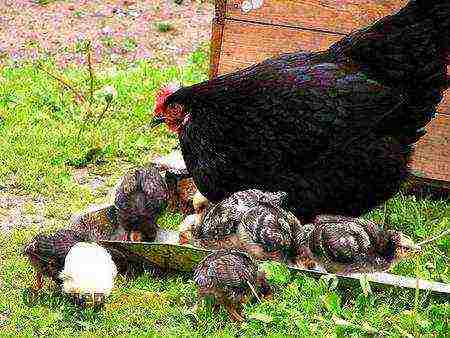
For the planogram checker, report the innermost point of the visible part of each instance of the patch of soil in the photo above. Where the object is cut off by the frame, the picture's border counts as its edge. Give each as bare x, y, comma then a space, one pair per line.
119, 30
14, 213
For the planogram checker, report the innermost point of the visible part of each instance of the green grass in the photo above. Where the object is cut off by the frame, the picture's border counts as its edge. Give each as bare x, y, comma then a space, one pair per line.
39, 124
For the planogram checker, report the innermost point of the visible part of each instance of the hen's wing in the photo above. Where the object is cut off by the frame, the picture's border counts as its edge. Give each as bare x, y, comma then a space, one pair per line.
316, 101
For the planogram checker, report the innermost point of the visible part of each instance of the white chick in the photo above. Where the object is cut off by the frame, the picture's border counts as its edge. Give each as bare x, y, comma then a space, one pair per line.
88, 273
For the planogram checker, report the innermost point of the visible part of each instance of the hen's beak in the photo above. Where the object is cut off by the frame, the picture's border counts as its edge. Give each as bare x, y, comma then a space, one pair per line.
157, 121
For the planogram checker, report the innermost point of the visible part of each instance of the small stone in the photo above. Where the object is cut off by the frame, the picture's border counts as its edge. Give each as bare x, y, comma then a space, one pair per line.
246, 6
114, 57
257, 3
96, 183
107, 31
134, 13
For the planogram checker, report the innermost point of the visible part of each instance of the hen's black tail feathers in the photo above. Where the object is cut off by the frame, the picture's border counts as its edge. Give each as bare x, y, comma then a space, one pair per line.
408, 50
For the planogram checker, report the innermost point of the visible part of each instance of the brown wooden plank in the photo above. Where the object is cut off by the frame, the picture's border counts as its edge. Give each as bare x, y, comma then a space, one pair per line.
216, 46
341, 16
244, 44
432, 155
216, 36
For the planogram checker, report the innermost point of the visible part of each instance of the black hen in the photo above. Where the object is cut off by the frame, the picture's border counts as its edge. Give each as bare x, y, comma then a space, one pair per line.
334, 129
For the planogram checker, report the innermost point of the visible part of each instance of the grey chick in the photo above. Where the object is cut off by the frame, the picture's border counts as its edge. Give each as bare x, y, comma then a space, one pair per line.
344, 244
140, 198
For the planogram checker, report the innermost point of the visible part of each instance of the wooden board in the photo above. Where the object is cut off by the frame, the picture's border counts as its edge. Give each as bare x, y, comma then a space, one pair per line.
245, 43
241, 39
261, 42
432, 155
340, 16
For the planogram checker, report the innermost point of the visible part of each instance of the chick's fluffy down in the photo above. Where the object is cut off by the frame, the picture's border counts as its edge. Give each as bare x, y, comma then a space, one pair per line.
88, 269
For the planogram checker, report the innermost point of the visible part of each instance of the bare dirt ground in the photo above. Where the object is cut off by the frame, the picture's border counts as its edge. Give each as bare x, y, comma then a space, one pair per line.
119, 31
129, 30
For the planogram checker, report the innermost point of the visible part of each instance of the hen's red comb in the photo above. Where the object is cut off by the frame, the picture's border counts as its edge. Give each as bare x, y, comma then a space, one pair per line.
161, 97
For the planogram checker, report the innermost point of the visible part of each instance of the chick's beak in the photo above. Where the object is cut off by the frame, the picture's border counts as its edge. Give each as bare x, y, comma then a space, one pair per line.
408, 244
407, 247
157, 121
135, 236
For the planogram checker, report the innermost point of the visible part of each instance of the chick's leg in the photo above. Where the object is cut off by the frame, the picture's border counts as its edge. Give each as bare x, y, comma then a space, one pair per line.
39, 281
233, 312
216, 307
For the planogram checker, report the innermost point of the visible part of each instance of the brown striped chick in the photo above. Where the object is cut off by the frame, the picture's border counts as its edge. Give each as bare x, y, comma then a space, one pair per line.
140, 198
229, 277
252, 221
344, 245
265, 231
222, 219
179, 181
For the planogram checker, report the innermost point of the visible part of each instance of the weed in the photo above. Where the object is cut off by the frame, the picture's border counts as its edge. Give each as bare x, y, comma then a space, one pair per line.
164, 27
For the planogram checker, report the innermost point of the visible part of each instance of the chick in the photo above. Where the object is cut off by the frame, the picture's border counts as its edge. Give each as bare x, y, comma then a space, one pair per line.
200, 204
192, 222
252, 221
223, 218
228, 277
344, 245
88, 273
185, 229
140, 198
47, 253
181, 191
179, 182
266, 232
